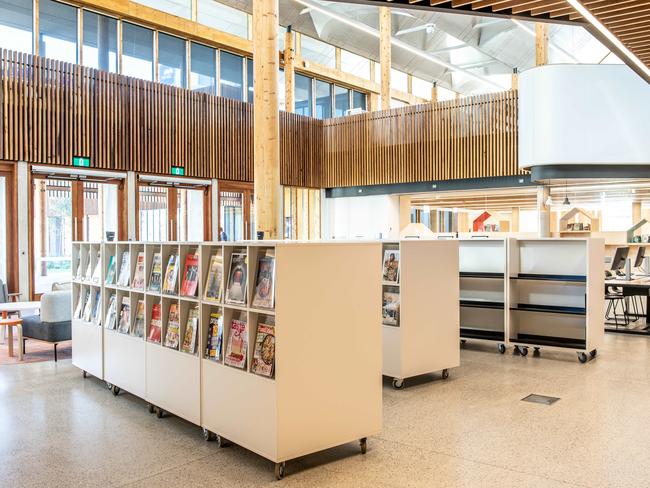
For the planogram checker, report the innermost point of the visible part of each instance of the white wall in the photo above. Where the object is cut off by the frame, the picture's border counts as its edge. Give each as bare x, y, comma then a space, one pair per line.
363, 217
583, 114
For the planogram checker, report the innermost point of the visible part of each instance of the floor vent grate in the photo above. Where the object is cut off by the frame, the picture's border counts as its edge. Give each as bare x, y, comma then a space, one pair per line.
541, 399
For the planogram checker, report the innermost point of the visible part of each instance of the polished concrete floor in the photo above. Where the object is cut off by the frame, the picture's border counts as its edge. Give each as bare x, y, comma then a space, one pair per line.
59, 430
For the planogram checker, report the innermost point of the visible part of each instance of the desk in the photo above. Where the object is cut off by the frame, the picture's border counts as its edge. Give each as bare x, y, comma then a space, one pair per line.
21, 308
634, 287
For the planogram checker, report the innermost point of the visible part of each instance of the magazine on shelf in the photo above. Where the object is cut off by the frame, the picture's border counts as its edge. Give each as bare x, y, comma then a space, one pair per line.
89, 269
390, 307
390, 272
96, 276
173, 327
124, 325
110, 272
190, 275
265, 282
84, 295
111, 313
171, 274
88, 307
123, 277
78, 268
155, 279
155, 327
236, 291
237, 348
264, 354
97, 309
214, 281
215, 337
189, 339
138, 275
138, 323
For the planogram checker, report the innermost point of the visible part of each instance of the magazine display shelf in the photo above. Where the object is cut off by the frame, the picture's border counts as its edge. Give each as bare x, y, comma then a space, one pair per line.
556, 298
427, 338
88, 337
484, 290
315, 400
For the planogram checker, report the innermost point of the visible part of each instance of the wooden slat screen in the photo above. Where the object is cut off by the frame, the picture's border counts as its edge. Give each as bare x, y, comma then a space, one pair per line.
301, 150
472, 137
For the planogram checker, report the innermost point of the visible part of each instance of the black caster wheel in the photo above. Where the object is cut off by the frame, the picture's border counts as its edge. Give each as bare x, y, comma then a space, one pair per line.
523, 351
398, 383
116, 390
160, 413
593, 353
109, 386
463, 341
279, 470
150, 408
502, 348
445, 374
85, 374
363, 444
209, 436
582, 357
220, 441
537, 349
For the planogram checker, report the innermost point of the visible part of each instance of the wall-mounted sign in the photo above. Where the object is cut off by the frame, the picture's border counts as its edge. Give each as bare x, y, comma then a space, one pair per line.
178, 170
81, 161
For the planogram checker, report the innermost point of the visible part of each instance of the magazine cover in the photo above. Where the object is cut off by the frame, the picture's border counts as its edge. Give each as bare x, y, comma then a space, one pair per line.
97, 309
173, 327
169, 285
78, 311
156, 272
264, 283
264, 354
155, 328
125, 316
391, 266
237, 344
111, 313
215, 337
390, 308
190, 275
123, 277
88, 308
98, 269
78, 268
89, 269
110, 272
189, 339
138, 323
236, 291
138, 275
214, 282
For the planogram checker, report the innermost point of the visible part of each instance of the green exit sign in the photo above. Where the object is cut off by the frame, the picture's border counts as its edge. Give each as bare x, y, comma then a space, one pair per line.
81, 161
178, 170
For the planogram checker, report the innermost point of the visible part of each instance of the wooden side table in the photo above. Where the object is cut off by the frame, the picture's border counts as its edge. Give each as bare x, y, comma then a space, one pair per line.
18, 324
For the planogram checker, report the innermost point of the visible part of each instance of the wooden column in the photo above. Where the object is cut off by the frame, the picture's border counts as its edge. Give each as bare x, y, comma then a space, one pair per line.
404, 211
514, 225
541, 44
543, 212
515, 79
289, 74
266, 132
385, 55
434, 92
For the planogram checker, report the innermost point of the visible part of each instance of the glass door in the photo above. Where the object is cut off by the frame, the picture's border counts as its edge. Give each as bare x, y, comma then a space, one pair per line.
8, 229
235, 211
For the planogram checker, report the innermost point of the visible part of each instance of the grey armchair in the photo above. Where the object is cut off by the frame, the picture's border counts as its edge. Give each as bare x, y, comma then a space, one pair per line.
55, 321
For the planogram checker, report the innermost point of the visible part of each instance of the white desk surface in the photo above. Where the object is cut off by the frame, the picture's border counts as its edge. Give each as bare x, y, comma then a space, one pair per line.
19, 306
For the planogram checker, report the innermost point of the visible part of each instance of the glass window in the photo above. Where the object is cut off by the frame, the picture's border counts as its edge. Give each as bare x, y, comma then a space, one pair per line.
250, 80
179, 8
342, 100
190, 215
100, 42
222, 17
153, 213
399, 80
421, 88
57, 26
323, 100
100, 211
394, 103
282, 101
137, 51
358, 100
231, 69
171, 60
377, 72
16, 25
203, 73
302, 95
355, 64
317, 51
281, 33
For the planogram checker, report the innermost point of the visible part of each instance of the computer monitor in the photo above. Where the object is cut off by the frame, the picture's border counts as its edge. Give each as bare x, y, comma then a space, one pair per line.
619, 258
640, 254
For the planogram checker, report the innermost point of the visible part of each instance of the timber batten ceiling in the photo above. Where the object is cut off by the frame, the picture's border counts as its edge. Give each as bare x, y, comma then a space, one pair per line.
628, 20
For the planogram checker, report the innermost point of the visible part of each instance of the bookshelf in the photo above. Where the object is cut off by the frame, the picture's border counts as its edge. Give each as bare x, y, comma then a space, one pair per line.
484, 290
556, 295
314, 401
426, 338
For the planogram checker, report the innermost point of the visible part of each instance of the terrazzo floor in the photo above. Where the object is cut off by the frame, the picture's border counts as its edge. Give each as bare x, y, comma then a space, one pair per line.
60, 430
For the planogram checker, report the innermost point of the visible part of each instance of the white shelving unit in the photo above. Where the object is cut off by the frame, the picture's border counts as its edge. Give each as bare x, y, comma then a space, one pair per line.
426, 338
327, 387
88, 356
484, 290
556, 290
